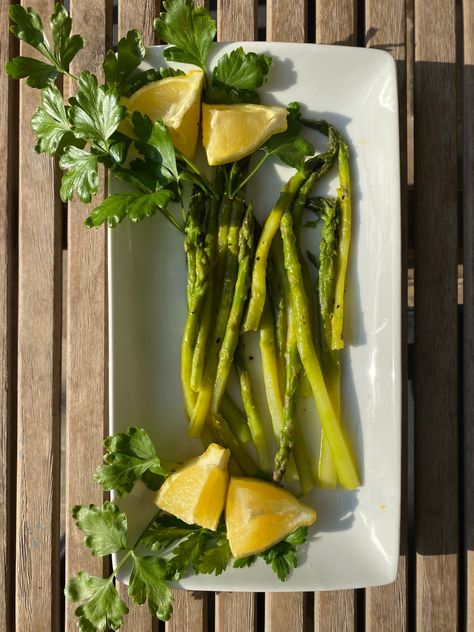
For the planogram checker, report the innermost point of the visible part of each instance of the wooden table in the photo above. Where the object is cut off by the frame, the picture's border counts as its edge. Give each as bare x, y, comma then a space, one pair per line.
53, 332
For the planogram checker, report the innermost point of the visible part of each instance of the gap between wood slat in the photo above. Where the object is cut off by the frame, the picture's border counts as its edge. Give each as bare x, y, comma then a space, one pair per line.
468, 341
8, 322
436, 348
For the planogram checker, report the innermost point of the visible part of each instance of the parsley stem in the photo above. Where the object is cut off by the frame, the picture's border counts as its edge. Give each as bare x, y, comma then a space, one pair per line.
208, 185
250, 175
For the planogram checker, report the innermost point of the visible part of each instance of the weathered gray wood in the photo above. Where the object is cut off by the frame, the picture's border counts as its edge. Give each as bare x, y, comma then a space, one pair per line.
235, 612
335, 611
386, 606
236, 20
189, 612
468, 342
39, 371
8, 315
284, 612
137, 15
436, 368
86, 402
336, 22
284, 25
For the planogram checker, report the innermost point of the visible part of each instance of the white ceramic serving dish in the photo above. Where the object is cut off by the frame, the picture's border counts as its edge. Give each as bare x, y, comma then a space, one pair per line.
355, 541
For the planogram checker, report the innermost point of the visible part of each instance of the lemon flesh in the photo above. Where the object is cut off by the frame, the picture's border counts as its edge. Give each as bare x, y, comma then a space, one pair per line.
196, 492
177, 101
230, 132
260, 514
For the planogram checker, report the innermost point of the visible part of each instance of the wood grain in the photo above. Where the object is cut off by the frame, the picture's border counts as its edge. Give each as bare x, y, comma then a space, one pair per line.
235, 612
285, 25
138, 15
236, 21
284, 612
134, 15
436, 368
335, 611
386, 606
86, 402
8, 315
189, 612
336, 22
468, 340
39, 371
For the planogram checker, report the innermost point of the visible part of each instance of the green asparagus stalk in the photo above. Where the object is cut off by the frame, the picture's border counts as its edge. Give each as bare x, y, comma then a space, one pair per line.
320, 165
197, 271
204, 399
293, 374
345, 204
218, 217
229, 343
254, 419
271, 226
341, 453
235, 418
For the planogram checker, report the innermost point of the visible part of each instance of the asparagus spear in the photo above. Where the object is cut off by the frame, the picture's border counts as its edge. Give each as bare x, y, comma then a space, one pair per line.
253, 416
344, 200
217, 224
235, 418
229, 343
272, 223
197, 271
203, 402
320, 165
343, 459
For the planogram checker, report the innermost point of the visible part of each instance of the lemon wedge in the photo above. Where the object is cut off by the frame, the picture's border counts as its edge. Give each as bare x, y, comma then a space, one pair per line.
196, 492
260, 514
176, 100
230, 132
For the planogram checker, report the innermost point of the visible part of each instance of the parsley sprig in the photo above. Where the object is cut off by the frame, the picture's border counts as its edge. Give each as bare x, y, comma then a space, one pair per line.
166, 550
27, 26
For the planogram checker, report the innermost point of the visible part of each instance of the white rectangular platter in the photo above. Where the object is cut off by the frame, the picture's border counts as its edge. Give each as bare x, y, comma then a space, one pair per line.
355, 541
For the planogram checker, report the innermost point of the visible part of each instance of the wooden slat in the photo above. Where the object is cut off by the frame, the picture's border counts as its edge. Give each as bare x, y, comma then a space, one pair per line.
189, 612
39, 370
468, 346
335, 611
285, 25
436, 368
8, 183
336, 22
137, 15
235, 612
284, 612
86, 406
236, 20
386, 606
